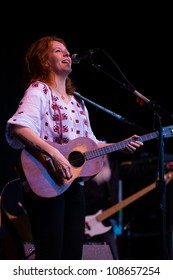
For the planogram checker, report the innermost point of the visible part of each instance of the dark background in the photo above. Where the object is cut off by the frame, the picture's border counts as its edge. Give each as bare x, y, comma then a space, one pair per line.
138, 39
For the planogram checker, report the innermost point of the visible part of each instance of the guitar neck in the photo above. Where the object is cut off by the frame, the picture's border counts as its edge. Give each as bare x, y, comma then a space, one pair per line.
167, 132
118, 146
117, 207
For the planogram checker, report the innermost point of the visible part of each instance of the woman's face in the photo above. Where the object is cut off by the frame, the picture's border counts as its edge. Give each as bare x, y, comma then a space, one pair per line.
58, 59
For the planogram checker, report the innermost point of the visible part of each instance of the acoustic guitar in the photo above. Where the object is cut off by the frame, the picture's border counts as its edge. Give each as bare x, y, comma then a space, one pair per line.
84, 156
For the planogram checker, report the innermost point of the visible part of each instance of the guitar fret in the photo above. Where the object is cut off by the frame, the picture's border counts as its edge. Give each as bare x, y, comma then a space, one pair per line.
150, 136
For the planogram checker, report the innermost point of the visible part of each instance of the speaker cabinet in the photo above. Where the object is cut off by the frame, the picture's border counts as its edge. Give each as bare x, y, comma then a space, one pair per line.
96, 251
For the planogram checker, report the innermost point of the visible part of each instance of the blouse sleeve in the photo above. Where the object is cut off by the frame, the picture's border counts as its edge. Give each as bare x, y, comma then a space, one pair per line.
28, 114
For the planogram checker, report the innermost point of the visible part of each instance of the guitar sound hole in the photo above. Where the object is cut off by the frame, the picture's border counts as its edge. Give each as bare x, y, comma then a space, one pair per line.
76, 159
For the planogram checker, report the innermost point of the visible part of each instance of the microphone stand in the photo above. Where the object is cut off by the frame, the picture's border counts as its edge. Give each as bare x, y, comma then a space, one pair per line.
119, 117
160, 183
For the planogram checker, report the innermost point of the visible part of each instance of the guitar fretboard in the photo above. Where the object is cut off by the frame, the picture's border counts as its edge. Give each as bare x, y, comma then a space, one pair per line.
118, 146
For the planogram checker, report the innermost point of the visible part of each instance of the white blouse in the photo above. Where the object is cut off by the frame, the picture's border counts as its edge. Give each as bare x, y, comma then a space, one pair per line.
49, 117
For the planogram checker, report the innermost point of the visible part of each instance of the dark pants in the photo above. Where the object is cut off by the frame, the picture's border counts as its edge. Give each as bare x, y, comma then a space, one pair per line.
58, 224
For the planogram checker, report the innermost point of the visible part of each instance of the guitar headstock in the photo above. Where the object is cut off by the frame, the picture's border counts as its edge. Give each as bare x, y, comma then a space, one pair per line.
168, 131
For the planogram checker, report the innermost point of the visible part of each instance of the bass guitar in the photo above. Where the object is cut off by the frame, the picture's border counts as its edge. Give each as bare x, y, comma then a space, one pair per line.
84, 156
93, 223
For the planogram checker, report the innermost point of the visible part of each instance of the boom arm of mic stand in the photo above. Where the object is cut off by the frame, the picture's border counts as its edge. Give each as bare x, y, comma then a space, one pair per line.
128, 86
119, 117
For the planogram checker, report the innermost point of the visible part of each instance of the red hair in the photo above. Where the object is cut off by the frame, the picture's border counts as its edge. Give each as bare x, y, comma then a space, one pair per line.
35, 68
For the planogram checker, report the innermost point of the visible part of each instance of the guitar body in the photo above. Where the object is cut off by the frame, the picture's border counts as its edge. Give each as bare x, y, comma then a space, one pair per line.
44, 182
93, 226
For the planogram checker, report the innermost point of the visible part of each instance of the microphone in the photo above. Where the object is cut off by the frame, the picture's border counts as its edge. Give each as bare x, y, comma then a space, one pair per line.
76, 58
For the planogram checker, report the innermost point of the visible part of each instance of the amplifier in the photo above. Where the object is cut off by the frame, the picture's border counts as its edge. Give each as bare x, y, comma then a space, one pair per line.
96, 251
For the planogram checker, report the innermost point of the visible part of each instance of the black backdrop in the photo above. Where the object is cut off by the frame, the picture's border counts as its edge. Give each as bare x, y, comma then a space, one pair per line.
138, 38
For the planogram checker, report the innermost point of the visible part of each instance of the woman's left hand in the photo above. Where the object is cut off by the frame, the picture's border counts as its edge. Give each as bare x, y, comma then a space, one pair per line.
133, 145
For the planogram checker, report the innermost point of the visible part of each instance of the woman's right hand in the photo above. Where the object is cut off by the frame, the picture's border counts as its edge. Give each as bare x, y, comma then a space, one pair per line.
61, 165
